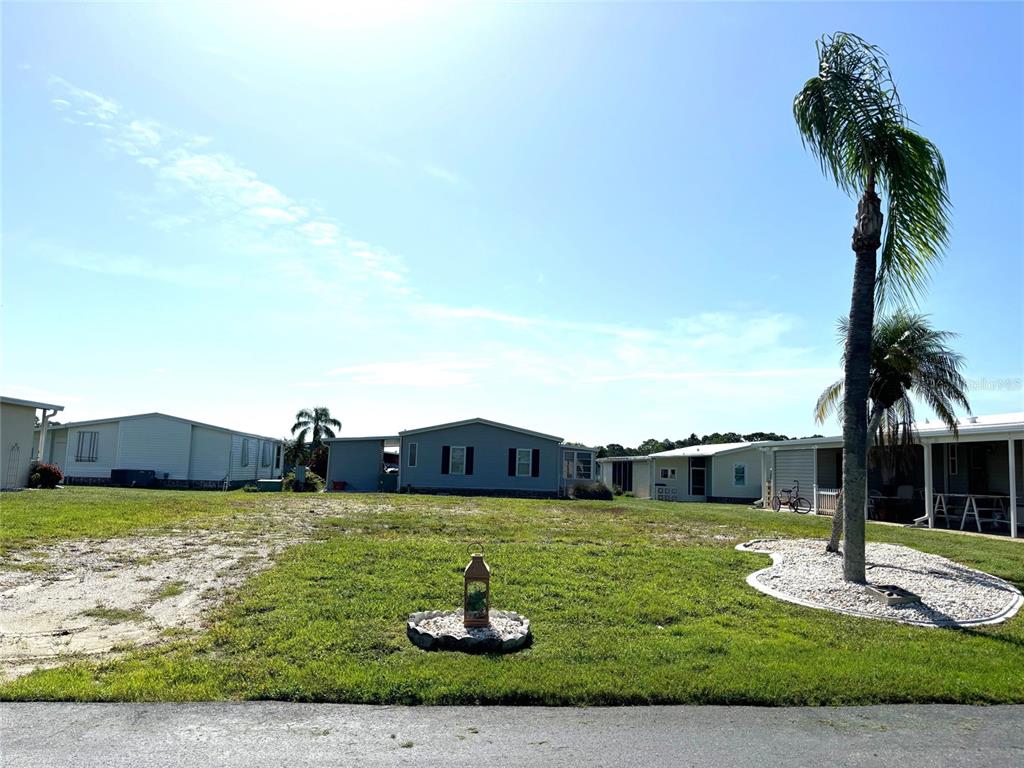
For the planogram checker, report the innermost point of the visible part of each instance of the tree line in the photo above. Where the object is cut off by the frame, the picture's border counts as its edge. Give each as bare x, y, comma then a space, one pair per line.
652, 445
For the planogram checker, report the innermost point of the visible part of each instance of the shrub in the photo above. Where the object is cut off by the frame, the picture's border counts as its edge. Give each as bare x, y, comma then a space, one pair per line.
250, 488
617, 490
592, 491
45, 476
318, 461
313, 482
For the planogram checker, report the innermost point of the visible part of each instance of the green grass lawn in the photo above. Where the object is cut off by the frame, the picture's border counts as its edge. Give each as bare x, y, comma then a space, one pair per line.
632, 602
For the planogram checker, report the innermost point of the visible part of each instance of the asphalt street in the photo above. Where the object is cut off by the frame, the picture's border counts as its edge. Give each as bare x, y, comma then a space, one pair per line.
282, 734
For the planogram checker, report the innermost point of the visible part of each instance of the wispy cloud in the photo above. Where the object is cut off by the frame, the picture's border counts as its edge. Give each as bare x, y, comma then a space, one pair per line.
194, 187
444, 174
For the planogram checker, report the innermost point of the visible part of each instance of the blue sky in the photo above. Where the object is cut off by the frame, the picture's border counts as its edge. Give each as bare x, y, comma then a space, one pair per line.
593, 220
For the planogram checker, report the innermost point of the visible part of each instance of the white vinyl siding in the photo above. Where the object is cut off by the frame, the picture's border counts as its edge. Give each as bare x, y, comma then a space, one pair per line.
156, 443
16, 438
106, 451
211, 449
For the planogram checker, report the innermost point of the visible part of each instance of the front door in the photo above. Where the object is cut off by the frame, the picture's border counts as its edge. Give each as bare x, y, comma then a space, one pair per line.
698, 475
59, 450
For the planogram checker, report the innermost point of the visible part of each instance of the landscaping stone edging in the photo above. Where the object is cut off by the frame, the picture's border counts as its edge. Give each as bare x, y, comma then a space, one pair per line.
1006, 613
475, 640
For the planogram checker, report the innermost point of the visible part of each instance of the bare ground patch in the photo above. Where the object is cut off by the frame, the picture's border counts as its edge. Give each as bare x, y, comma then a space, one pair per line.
88, 598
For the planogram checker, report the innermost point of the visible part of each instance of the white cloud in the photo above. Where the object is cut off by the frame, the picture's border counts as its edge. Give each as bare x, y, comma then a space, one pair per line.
445, 175
195, 188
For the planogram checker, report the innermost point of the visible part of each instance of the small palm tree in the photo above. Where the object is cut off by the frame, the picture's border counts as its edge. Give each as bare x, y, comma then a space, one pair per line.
908, 359
851, 118
316, 422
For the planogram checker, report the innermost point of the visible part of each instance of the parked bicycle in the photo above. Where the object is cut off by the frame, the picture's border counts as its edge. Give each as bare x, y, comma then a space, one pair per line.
792, 499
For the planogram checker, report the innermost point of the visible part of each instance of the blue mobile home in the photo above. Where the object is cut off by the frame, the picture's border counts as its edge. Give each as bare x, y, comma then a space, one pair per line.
471, 457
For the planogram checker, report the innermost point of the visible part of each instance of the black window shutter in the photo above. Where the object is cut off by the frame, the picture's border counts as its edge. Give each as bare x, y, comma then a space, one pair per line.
535, 467
446, 456
511, 462
469, 459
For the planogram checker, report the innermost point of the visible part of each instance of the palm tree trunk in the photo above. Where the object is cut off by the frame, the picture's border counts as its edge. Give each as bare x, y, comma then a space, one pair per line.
866, 241
837, 517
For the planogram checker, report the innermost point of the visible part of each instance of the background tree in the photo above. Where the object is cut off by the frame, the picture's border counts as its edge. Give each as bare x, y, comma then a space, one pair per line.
908, 359
315, 423
851, 118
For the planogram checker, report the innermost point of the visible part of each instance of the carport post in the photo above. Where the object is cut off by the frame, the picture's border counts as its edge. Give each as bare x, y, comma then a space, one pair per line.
929, 494
43, 423
1013, 487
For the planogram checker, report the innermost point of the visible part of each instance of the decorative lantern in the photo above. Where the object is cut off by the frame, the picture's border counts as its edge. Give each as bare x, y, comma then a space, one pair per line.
476, 598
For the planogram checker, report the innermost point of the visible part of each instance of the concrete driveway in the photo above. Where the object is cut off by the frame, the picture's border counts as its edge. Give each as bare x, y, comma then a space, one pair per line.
281, 734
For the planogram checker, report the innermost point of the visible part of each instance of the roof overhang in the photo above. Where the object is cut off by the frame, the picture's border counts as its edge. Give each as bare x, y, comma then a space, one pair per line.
486, 422
31, 403
371, 438
90, 422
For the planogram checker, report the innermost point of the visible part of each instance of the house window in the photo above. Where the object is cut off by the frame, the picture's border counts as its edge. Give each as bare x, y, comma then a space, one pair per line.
245, 452
267, 448
457, 463
88, 446
739, 474
578, 465
524, 462
668, 473
413, 448
954, 461
277, 456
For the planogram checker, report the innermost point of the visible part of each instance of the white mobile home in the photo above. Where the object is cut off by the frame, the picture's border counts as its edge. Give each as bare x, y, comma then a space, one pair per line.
723, 472
154, 449
18, 436
970, 480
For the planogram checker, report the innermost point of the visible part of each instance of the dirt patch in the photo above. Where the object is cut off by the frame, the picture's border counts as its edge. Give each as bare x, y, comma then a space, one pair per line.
94, 598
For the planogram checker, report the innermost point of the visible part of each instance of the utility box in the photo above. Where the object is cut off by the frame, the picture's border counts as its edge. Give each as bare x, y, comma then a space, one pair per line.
270, 486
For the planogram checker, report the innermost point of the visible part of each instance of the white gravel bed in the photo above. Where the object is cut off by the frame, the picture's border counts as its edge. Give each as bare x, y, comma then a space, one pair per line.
951, 594
500, 628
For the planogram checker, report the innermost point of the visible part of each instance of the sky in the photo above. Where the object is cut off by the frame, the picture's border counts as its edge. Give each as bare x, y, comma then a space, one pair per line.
592, 220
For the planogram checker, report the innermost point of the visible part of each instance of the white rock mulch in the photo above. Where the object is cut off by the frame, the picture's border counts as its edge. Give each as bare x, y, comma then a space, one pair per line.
500, 628
802, 572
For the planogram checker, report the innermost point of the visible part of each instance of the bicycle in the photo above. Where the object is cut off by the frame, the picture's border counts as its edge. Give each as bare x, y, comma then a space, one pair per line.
793, 500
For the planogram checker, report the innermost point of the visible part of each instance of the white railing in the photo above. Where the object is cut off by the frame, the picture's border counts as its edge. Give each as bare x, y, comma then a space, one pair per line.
827, 501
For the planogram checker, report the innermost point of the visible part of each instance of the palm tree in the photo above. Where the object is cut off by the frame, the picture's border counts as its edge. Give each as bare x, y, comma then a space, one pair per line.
851, 118
317, 421
908, 359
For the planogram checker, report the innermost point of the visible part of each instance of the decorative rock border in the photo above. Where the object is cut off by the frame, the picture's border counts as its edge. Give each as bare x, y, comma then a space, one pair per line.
952, 595
443, 631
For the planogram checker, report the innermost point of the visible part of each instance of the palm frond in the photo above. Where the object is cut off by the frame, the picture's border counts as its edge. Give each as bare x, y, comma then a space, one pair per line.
830, 401
850, 117
912, 175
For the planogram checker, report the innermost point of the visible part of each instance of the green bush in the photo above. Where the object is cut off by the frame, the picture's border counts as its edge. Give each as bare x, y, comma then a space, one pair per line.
45, 476
313, 484
591, 491
250, 488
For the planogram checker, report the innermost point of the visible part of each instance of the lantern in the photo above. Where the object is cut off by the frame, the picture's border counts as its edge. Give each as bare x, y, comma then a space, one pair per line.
476, 597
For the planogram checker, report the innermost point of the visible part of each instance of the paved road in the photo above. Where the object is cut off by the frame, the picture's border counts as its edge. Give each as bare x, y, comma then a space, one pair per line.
295, 735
